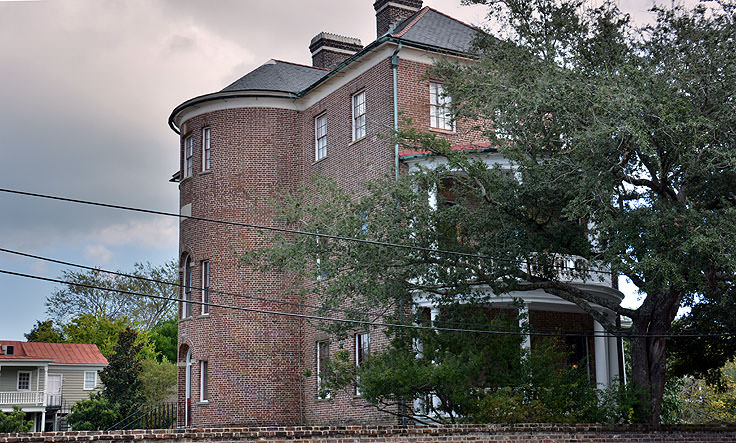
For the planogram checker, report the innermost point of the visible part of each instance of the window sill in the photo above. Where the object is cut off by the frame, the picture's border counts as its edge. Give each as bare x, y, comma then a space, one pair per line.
319, 161
186, 179
203, 403
209, 171
185, 318
443, 131
207, 315
358, 140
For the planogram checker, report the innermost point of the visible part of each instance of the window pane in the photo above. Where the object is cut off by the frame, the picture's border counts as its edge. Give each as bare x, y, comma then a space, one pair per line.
205, 286
24, 381
204, 381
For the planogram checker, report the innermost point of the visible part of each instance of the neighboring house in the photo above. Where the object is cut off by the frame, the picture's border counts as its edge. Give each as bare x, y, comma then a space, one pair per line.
44, 379
268, 133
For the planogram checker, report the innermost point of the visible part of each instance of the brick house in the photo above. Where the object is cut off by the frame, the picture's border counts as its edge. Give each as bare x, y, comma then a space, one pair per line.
44, 379
266, 134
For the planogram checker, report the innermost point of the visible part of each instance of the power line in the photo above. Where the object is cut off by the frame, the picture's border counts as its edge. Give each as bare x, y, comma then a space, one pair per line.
290, 231
152, 280
362, 322
249, 297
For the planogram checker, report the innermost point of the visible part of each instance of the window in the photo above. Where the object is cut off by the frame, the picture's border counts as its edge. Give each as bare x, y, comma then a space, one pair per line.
323, 359
24, 380
206, 149
186, 310
362, 350
359, 115
188, 156
90, 380
205, 287
439, 108
204, 393
320, 137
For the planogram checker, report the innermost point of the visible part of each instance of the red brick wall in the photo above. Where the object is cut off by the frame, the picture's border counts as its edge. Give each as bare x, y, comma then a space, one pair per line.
524, 433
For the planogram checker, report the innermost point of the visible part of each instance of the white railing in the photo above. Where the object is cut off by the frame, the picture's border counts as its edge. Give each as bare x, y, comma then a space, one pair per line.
21, 398
569, 268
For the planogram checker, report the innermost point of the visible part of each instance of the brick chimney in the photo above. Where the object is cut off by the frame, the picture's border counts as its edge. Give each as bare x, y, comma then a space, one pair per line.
329, 50
391, 12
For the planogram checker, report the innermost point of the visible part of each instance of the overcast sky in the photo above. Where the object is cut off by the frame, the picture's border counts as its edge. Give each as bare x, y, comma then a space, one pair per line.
86, 88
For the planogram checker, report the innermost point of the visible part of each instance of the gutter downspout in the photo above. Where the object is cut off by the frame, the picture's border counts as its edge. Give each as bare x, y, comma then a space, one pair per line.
394, 71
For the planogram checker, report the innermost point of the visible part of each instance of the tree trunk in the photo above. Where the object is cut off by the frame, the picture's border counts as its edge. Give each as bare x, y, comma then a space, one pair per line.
648, 354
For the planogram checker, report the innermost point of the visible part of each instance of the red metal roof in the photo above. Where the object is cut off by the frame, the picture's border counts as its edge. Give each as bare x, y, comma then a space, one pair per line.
60, 353
483, 146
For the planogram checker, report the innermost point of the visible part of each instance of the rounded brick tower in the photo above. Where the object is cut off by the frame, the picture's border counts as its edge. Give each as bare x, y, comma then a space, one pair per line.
239, 150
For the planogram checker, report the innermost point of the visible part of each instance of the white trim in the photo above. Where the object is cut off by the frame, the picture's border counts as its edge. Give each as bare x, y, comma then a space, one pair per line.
206, 148
17, 380
84, 381
397, 5
205, 310
333, 49
203, 381
364, 115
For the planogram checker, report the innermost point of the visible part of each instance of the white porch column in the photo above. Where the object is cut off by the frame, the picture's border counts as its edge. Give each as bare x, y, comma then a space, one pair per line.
601, 356
613, 360
526, 343
433, 197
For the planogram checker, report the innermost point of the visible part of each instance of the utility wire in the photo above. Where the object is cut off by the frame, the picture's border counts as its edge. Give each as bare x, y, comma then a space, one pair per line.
361, 322
289, 231
270, 300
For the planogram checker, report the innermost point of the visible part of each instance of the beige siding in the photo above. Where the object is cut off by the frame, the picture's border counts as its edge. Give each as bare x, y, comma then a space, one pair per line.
9, 377
72, 381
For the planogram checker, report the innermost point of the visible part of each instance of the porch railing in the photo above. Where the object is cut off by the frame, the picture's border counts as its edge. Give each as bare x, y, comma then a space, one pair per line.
21, 398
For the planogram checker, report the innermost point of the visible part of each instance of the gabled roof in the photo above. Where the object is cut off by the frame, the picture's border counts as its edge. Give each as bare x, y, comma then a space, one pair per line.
433, 28
276, 75
59, 353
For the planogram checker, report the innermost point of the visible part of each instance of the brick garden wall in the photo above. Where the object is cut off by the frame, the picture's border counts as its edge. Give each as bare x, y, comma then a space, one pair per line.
346, 434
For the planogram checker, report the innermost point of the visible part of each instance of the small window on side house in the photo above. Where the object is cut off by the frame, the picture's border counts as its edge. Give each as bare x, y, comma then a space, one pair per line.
204, 393
206, 149
24, 380
439, 108
359, 110
90, 380
362, 351
186, 309
188, 156
205, 287
323, 360
320, 137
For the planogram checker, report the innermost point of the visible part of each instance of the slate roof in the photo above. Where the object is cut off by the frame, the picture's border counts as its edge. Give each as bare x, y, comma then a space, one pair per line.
433, 28
60, 353
276, 75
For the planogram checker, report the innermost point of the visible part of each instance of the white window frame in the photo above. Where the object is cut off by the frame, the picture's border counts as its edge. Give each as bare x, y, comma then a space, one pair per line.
204, 377
94, 382
206, 152
360, 355
186, 309
188, 156
320, 138
205, 287
439, 108
359, 115
30, 379
319, 366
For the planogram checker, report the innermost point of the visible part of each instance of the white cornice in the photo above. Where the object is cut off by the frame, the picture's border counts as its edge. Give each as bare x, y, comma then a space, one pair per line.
397, 5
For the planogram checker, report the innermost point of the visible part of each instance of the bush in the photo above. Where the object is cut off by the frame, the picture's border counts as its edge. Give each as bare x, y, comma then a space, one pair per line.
94, 414
14, 421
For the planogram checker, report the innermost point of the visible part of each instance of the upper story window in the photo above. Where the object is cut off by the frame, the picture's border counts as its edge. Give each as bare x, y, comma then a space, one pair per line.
90, 380
186, 310
188, 156
359, 115
439, 108
206, 149
320, 137
205, 287
24, 380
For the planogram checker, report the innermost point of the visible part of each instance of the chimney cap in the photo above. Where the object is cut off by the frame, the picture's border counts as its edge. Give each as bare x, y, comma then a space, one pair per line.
335, 37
